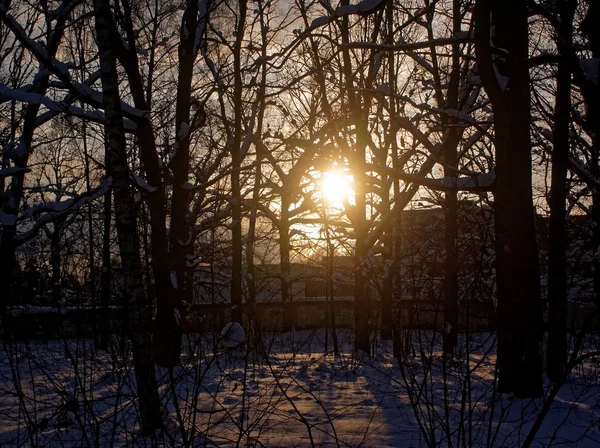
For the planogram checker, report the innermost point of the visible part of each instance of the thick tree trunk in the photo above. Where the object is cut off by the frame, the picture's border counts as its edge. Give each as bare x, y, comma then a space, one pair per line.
179, 247
359, 117
450, 154
591, 93
395, 273
167, 332
134, 302
506, 81
557, 250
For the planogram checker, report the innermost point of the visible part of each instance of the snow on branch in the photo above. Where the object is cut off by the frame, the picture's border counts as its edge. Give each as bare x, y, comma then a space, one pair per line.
546, 133
462, 116
70, 204
50, 211
575, 164
60, 70
363, 8
142, 184
7, 172
29, 97
582, 171
591, 69
406, 46
55, 108
477, 182
201, 26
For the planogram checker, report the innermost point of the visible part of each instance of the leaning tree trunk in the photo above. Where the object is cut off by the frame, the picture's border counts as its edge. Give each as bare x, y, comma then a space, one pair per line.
557, 243
506, 80
139, 319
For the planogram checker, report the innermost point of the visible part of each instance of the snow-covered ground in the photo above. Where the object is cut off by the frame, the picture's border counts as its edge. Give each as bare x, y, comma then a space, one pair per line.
284, 392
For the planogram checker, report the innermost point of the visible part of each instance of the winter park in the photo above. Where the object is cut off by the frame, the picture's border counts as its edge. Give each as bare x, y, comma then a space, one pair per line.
300, 223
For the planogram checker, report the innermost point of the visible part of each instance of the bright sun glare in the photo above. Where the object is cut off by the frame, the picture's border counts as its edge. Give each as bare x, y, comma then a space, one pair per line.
335, 187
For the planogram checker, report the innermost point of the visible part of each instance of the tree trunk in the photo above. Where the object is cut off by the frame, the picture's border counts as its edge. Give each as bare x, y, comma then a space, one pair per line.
14, 193
125, 211
362, 310
395, 273
285, 274
55, 262
167, 325
105, 275
90, 228
179, 247
591, 94
236, 161
388, 281
506, 80
450, 154
251, 237
557, 242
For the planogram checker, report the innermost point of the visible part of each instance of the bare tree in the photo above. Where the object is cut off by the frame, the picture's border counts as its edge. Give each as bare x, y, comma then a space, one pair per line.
126, 222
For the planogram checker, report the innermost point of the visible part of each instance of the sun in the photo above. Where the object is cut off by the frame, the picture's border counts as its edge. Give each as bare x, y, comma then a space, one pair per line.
335, 187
